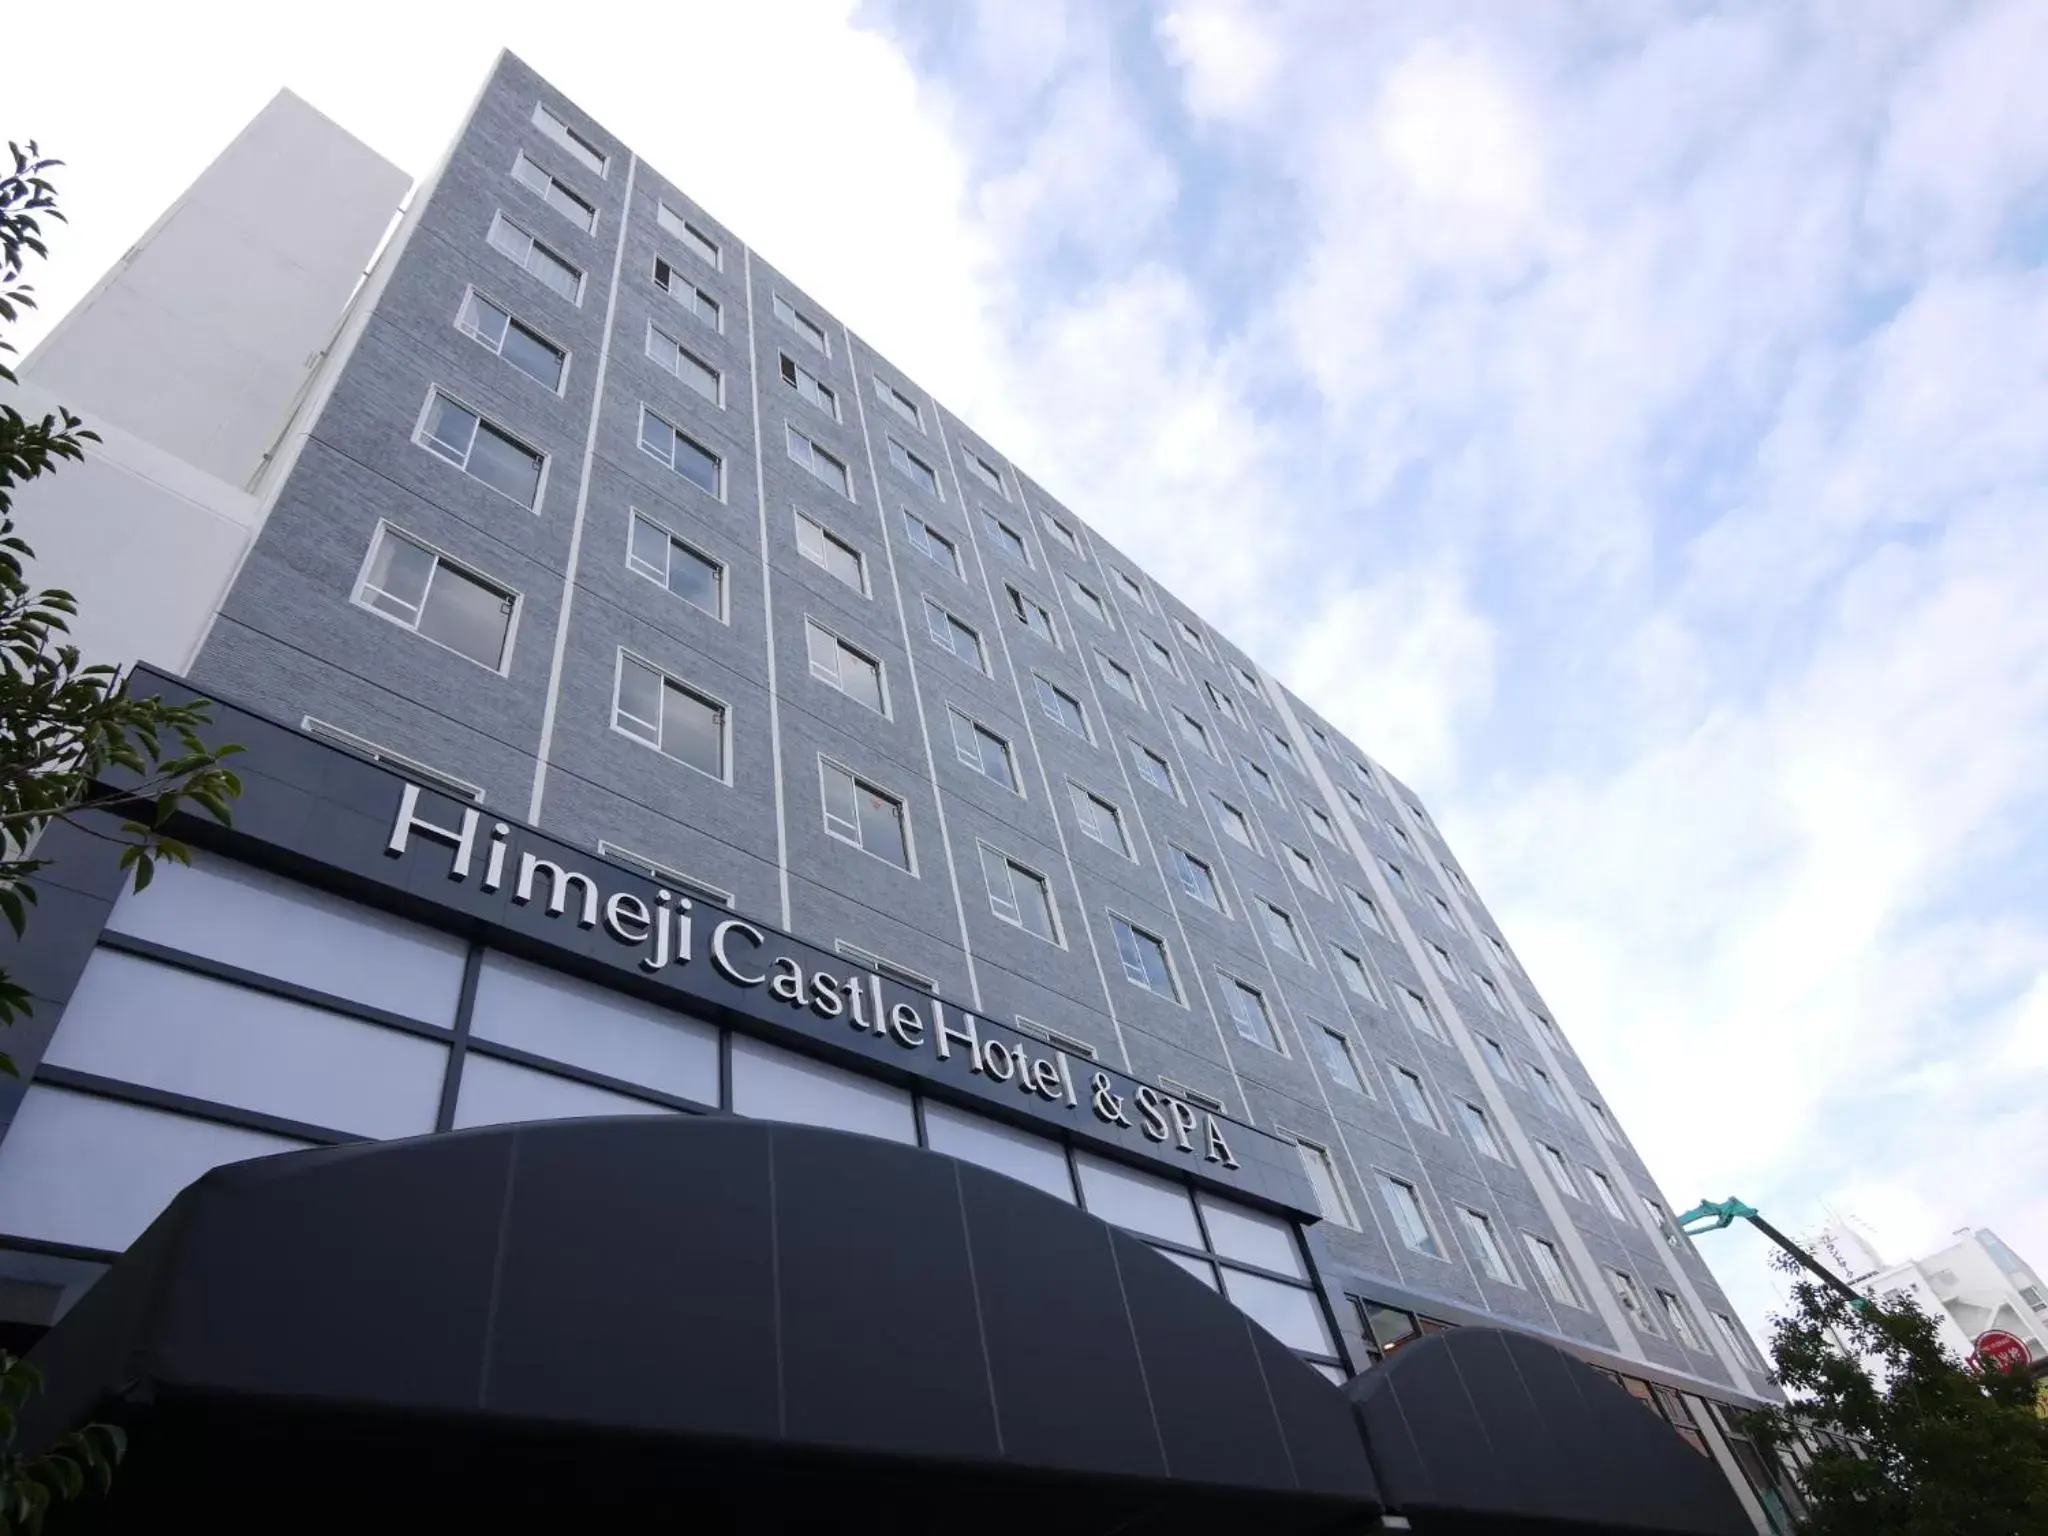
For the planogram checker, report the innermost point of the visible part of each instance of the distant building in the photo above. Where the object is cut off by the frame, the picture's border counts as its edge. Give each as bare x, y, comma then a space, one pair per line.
1974, 1286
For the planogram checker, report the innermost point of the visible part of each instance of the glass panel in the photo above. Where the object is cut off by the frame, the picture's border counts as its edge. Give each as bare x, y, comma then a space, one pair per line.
697, 465
1256, 1237
771, 1084
1390, 1326
399, 573
841, 815
484, 320
881, 825
1322, 1177
1201, 1269
1149, 1206
640, 699
1030, 1159
502, 1093
695, 579
467, 616
532, 356
1034, 903
505, 465
693, 730
594, 1027
449, 429
554, 272
1288, 1312
1337, 1056
861, 678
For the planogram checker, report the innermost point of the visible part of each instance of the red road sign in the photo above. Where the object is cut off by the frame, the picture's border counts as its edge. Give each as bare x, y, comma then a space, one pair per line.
2003, 1350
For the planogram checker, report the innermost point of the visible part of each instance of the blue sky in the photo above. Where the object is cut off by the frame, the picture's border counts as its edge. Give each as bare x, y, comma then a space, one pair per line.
1625, 419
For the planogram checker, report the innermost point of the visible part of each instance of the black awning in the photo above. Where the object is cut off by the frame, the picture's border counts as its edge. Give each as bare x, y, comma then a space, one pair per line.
1479, 1430
683, 1309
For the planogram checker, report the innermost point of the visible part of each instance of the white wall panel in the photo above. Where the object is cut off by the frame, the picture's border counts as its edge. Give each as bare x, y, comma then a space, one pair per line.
501, 1092
771, 1084
594, 1027
1030, 1159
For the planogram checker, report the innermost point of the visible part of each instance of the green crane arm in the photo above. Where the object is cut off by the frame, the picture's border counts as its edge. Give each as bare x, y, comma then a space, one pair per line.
1712, 1216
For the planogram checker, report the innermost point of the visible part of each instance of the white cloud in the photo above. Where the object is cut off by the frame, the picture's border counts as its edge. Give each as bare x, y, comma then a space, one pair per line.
1227, 56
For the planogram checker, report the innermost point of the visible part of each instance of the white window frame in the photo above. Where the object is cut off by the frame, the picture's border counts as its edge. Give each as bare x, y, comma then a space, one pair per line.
1234, 815
981, 659
1174, 992
1009, 540
717, 458
704, 695
790, 434
1478, 1121
1388, 1183
956, 715
1292, 946
1302, 864
1346, 1214
699, 296
1064, 536
1091, 601
558, 128
1359, 1083
512, 320
915, 468
860, 558
387, 529
800, 323
990, 476
1195, 734
1221, 905
1486, 1242
906, 409
828, 763
1350, 961
419, 437
1538, 1246
846, 647
923, 538
1018, 598
1435, 1121
1110, 667
1146, 754
1087, 730
1560, 1168
521, 159
1098, 802
636, 515
693, 239
1235, 985
716, 397
821, 397
1133, 588
1014, 865
1162, 654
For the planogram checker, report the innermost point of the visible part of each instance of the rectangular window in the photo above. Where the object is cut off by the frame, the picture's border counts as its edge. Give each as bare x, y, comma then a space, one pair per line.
824, 466
555, 193
1062, 534
1485, 1246
482, 449
1249, 1013
1492, 994
1019, 895
1319, 821
1680, 1321
808, 386
838, 665
1032, 614
1607, 1131
671, 281
1414, 1100
1261, 780
1351, 968
820, 546
1088, 601
670, 716
1401, 835
1550, 1270
1191, 635
1416, 1006
523, 251
1006, 537
1100, 820
1280, 929
955, 635
1560, 1170
1405, 1205
1163, 657
1736, 1339
695, 241
1445, 967
1154, 769
1367, 913
805, 327
1546, 1090
1061, 707
585, 153
1119, 678
1129, 584
652, 551
1499, 949
683, 454
898, 402
985, 472
428, 593
932, 544
673, 357
1631, 1300
1338, 1060
1443, 910
1497, 1058
1321, 736
983, 750
1304, 868
524, 348
916, 470
1247, 681
1329, 1189
1661, 1222
1235, 822
864, 815
1197, 879
1603, 1191
1395, 877
1194, 733
1144, 959
1353, 799
1224, 704
1481, 1130
1283, 749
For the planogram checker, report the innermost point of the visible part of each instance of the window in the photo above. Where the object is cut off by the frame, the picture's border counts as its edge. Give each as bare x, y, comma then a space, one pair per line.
1322, 737
1129, 584
1249, 1013
1338, 1060
1194, 733
1061, 706
667, 561
930, 543
555, 194
822, 547
1329, 1190
803, 325
1031, 613
1499, 948
1144, 958
1405, 1204
985, 472
1062, 534
1351, 968
1401, 835
1631, 1299
1019, 895
808, 386
921, 474
1367, 913
1006, 537
1100, 820
1280, 929
983, 750
1119, 678
670, 280
669, 716
1443, 910
1734, 1337
695, 241
824, 466
1416, 1006
1600, 1119
1191, 635
1414, 1099
1485, 1246
1153, 769
1441, 959
1319, 821
1089, 602
1603, 1191
955, 635
1550, 1269
898, 402
1546, 1090
837, 664
1156, 648
1353, 799
1235, 822
1560, 1170
673, 356
1497, 1058
1395, 877
585, 153
431, 595
1680, 1320
1225, 705
1284, 749
1261, 780
1247, 681
1197, 879
528, 254
1481, 1130
686, 456
1661, 1222
1304, 868
859, 813
524, 348
481, 449
1492, 994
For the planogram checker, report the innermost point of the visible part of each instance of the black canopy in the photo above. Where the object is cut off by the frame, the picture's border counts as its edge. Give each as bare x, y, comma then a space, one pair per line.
1479, 1430
716, 1321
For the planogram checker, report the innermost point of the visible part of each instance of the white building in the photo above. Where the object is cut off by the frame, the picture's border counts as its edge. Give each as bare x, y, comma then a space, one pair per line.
1974, 1286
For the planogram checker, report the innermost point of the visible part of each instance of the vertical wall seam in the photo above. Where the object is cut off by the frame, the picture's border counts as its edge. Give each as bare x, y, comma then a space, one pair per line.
767, 600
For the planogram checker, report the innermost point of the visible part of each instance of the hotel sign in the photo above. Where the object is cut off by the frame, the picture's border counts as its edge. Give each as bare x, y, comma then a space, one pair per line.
729, 966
